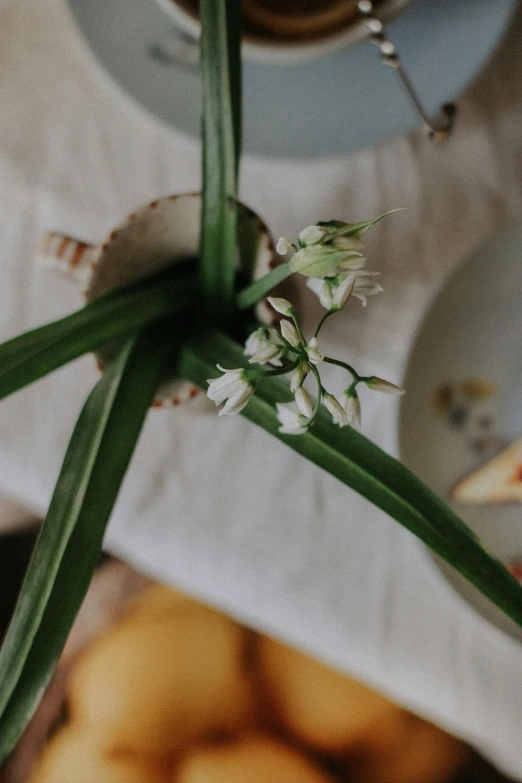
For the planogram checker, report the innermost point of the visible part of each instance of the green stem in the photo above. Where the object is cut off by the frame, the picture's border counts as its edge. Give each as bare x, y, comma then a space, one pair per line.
258, 290
299, 330
355, 375
221, 81
319, 391
323, 319
262, 375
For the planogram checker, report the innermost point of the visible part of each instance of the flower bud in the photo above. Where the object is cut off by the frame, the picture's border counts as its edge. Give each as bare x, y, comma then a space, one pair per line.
292, 421
298, 376
284, 246
352, 407
311, 235
342, 293
380, 385
334, 407
290, 334
312, 349
303, 402
280, 305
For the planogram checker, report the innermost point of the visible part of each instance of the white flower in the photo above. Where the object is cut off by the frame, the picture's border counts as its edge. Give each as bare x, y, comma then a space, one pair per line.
365, 285
318, 260
303, 402
232, 386
334, 292
298, 376
379, 384
311, 235
290, 333
280, 305
352, 407
312, 349
334, 407
292, 421
323, 289
264, 345
284, 246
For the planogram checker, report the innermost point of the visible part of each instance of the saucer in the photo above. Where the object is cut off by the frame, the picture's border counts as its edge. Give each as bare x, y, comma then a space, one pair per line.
336, 104
464, 400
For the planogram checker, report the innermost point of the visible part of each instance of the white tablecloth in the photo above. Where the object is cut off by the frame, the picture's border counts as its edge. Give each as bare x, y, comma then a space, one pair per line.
217, 506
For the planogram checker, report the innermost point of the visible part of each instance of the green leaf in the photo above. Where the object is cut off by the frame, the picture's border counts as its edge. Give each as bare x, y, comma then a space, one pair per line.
34, 354
254, 292
364, 467
68, 547
221, 81
357, 230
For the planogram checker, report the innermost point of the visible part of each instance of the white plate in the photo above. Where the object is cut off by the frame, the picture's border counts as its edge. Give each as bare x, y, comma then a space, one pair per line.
473, 331
335, 104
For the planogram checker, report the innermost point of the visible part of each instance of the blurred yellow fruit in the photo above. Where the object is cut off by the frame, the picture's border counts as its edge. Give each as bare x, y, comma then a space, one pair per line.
73, 757
329, 711
427, 755
159, 600
153, 687
255, 760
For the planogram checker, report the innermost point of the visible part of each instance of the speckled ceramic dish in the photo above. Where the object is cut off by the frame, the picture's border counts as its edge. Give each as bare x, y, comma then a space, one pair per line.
464, 401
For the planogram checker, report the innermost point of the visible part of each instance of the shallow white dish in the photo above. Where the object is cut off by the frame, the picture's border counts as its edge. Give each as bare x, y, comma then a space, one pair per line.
335, 104
472, 333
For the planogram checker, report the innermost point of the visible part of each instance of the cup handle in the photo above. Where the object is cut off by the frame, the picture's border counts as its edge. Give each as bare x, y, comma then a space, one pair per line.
70, 257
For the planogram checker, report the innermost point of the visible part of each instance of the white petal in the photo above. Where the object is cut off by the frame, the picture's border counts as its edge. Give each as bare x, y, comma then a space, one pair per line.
326, 295
283, 246
312, 349
237, 401
252, 343
334, 407
314, 284
281, 305
292, 422
311, 235
347, 243
290, 334
221, 388
303, 402
237, 370
274, 336
299, 375
287, 413
293, 430
265, 354
343, 292
354, 262
379, 384
352, 408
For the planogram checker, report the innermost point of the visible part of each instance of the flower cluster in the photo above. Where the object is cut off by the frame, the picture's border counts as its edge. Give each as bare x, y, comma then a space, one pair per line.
329, 254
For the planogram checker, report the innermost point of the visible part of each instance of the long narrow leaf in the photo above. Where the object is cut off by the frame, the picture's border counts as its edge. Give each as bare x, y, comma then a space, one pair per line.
250, 295
69, 543
221, 82
364, 467
34, 354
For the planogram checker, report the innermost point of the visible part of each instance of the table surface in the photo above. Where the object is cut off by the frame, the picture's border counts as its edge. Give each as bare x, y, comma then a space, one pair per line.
218, 507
